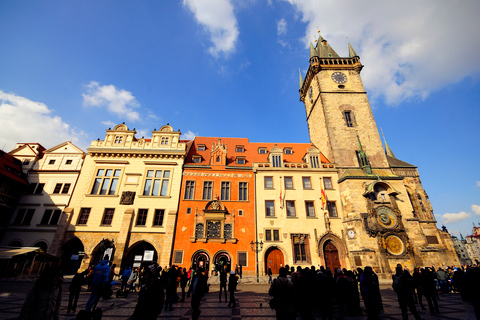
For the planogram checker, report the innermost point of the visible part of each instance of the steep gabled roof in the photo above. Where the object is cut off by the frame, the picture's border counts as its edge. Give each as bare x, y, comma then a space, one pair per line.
395, 163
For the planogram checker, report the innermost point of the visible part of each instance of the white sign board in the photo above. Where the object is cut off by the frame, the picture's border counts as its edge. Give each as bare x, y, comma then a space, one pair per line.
148, 255
138, 258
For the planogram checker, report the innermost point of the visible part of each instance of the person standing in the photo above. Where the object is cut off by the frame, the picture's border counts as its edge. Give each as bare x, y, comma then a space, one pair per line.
74, 289
44, 299
402, 284
198, 288
223, 285
240, 271
100, 279
125, 276
232, 286
282, 292
183, 283
370, 289
151, 296
269, 273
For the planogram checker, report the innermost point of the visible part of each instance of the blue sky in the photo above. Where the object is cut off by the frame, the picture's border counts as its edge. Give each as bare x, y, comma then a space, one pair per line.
72, 69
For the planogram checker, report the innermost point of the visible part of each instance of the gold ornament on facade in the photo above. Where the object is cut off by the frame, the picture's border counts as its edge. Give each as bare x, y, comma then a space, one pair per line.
394, 245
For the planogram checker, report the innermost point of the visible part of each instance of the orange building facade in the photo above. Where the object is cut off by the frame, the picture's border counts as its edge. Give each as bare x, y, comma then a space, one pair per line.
216, 217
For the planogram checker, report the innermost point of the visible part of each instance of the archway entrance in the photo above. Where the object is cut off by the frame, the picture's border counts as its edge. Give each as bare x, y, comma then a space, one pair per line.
73, 252
223, 261
103, 249
274, 259
331, 256
139, 252
201, 259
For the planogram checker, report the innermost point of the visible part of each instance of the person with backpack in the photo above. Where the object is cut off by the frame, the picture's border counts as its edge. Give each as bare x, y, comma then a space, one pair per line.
232, 286
100, 279
282, 292
402, 284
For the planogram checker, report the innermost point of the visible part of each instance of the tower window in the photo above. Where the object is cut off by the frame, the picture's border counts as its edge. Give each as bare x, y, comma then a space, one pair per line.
349, 119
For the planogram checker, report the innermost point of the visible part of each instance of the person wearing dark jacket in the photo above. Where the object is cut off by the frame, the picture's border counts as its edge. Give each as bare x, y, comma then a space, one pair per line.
183, 283
282, 292
44, 299
370, 288
198, 288
100, 279
232, 286
402, 284
74, 289
151, 296
223, 285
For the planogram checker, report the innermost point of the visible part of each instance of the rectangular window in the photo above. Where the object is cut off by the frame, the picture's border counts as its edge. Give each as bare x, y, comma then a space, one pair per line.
299, 252
164, 141
83, 217
58, 188
432, 239
276, 235
242, 258
314, 163
276, 161
288, 183
225, 192
201, 147
332, 209
207, 190
189, 210
240, 212
239, 149
39, 188
178, 257
51, 162
327, 183
68, 162
50, 217
24, 216
197, 159
142, 217
214, 229
307, 184
66, 188
106, 181
348, 118
268, 182
240, 160
108, 216
243, 191
262, 150
156, 183
291, 209
270, 208
31, 188
158, 218
46, 216
310, 208
189, 190
268, 235
288, 151
358, 261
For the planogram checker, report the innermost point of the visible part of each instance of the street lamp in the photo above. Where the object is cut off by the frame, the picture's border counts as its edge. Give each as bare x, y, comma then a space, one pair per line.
257, 247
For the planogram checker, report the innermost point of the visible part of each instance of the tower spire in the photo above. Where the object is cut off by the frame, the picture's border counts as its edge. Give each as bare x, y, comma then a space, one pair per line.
363, 158
301, 78
351, 52
313, 52
388, 151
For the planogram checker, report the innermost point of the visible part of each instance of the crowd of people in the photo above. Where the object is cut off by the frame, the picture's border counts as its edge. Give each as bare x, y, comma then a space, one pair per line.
296, 291
304, 291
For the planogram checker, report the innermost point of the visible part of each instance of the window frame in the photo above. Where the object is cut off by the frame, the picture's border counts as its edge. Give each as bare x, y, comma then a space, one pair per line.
310, 204
225, 190
196, 159
49, 215
240, 160
24, 216
269, 209
309, 182
239, 148
265, 180
289, 215
108, 215
207, 190
330, 186
242, 191
332, 206
290, 185
114, 181
262, 150
161, 191
189, 192
349, 118
288, 151
83, 216
158, 218
58, 188
142, 216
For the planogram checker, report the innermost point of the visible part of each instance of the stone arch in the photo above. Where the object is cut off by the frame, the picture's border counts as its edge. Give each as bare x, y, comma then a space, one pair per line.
339, 244
42, 244
138, 249
73, 252
121, 127
222, 259
166, 128
16, 243
104, 247
269, 252
201, 258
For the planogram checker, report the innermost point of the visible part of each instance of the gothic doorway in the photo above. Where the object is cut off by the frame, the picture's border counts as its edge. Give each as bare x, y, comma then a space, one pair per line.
201, 260
274, 259
223, 261
103, 249
139, 252
331, 256
73, 252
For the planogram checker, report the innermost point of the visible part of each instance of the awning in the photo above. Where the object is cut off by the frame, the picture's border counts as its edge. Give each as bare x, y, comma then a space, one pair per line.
10, 252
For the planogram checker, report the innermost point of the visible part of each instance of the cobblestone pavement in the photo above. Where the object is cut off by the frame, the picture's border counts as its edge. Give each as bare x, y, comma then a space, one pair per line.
252, 303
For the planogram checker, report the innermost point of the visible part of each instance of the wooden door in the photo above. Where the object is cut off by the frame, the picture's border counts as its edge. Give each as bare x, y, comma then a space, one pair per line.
274, 260
331, 256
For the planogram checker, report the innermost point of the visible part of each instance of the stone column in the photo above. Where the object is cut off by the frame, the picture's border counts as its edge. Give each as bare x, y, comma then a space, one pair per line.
167, 247
59, 236
123, 236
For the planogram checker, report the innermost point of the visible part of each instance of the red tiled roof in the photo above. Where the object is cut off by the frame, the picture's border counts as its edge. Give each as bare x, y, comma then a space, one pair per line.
250, 151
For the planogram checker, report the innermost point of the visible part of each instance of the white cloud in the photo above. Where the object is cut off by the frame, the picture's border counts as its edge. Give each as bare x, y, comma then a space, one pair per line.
219, 20
476, 209
119, 102
455, 217
189, 135
109, 123
409, 48
281, 27
24, 120
478, 184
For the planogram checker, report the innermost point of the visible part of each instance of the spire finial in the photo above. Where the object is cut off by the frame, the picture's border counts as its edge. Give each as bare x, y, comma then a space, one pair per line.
388, 151
351, 52
301, 78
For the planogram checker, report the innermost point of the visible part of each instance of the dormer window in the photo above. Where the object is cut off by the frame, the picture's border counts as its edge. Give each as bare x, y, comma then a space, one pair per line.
239, 149
288, 151
240, 160
276, 157
314, 162
51, 162
164, 141
262, 150
201, 147
118, 139
277, 161
197, 159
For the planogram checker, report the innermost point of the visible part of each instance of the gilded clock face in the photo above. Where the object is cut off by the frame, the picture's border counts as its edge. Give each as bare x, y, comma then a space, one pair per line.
386, 217
394, 245
339, 77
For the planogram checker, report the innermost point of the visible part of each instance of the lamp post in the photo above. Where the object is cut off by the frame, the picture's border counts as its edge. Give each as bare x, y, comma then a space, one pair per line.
257, 247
